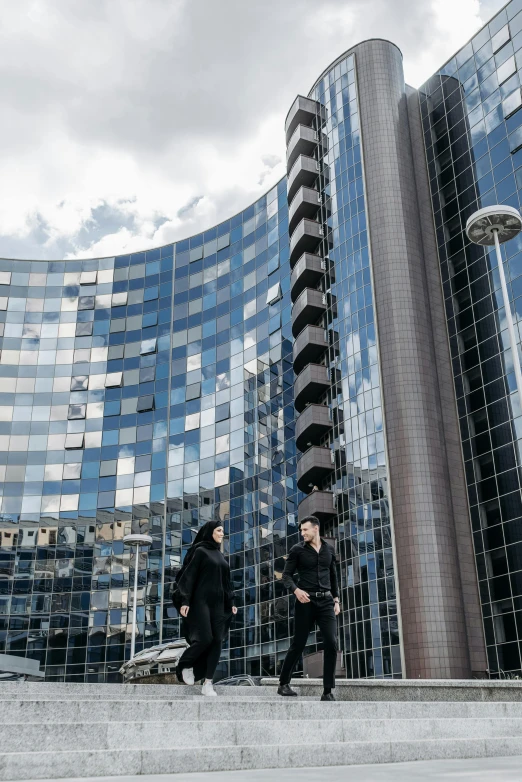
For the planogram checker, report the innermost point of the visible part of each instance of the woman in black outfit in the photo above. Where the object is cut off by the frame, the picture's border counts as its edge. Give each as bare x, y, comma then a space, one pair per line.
207, 605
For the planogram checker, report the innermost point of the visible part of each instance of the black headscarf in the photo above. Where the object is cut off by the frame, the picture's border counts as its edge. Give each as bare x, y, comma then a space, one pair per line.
203, 539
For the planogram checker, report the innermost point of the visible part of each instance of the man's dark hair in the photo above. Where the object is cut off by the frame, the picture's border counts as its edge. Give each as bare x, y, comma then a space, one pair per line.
314, 521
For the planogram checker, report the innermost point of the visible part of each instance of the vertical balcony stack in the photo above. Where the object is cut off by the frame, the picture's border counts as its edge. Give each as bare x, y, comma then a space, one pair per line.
308, 211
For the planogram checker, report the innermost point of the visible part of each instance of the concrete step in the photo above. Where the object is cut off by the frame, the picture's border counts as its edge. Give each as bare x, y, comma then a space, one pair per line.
123, 762
199, 708
18, 737
412, 689
346, 689
65, 730
60, 690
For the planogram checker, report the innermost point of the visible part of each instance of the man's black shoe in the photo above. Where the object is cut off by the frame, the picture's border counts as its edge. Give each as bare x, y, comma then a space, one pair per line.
328, 697
285, 689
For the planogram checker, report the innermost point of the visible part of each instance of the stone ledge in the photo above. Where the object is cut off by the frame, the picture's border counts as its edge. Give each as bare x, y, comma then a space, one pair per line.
412, 689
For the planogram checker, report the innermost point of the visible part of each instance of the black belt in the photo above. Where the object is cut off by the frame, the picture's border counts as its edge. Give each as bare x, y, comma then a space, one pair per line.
320, 594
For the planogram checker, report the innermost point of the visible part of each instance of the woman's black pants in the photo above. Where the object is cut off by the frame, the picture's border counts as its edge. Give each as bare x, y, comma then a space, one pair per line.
320, 610
206, 626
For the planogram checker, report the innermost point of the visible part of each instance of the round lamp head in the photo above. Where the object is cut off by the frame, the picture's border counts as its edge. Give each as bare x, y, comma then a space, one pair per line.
482, 225
137, 540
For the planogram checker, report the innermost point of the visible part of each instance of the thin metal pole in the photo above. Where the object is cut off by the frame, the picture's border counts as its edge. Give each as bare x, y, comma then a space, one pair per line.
135, 606
509, 318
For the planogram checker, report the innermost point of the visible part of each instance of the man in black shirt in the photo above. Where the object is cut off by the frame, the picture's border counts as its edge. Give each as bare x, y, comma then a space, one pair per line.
317, 600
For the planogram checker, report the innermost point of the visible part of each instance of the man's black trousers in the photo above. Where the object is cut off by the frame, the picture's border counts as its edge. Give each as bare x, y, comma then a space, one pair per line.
320, 610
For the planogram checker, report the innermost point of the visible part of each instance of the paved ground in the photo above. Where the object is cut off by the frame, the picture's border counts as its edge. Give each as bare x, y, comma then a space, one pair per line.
479, 770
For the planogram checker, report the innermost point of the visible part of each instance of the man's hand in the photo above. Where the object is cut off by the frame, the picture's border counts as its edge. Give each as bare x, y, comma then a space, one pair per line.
184, 610
337, 608
234, 610
302, 596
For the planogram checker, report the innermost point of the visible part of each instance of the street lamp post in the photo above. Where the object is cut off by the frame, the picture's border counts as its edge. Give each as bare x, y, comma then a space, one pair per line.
136, 541
490, 226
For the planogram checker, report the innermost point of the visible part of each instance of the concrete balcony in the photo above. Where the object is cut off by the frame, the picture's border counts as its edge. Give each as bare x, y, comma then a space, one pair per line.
307, 309
305, 239
310, 385
305, 203
313, 466
309, 347
313, 423
304, 141
306, 273
303, 111
319, 504
304, 172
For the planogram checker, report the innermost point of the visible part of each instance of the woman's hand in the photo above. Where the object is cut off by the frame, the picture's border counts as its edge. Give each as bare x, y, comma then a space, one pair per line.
234, 610
184, 610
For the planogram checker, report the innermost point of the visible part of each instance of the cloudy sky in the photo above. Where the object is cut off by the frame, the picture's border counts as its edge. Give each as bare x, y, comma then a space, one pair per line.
127, 124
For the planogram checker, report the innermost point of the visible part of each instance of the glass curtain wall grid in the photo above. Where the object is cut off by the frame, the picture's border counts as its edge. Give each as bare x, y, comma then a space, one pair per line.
146, 393
473, 138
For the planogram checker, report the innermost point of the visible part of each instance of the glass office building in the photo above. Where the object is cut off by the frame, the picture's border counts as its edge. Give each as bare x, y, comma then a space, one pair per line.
338, 349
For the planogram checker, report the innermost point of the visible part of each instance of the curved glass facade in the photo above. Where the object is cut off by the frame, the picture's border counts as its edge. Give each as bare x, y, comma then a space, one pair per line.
147, 392
473, 135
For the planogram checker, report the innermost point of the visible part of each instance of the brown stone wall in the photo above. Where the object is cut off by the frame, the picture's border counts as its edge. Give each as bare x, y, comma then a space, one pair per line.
439, 608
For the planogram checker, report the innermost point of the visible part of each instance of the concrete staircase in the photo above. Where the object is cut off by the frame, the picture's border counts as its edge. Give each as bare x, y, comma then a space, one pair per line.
87, 730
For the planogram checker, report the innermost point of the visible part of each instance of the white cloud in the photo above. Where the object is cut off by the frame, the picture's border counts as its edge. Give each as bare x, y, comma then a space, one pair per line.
130, 123
452, 24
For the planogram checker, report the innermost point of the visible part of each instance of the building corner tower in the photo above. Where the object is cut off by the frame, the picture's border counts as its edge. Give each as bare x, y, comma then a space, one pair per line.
420, 475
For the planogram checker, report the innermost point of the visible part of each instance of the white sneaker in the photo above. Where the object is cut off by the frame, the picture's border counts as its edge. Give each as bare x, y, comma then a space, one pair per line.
208, 689
187, 675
